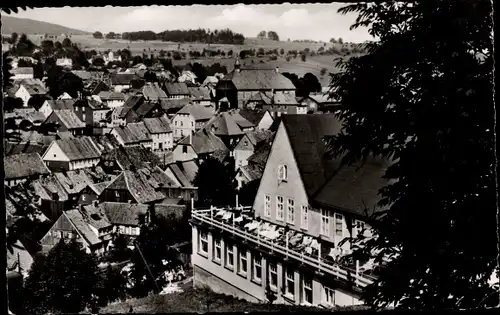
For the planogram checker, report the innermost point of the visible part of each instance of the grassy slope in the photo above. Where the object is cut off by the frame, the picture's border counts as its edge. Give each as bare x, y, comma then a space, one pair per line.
192, 301
11, 24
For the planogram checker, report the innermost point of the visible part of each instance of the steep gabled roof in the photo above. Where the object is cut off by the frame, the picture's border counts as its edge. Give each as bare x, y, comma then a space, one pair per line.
157, 124
79, 223
184, 172
131, 103
228, 124
69, 119
133, 133
79, 148
136, 157
61, 104
24, 165
152, 91
200, 93
198, 112
258, 79
253, 116
177, 88
123, 78
204, 142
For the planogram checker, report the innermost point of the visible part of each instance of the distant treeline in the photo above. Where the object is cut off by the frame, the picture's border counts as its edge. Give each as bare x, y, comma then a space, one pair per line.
225, 36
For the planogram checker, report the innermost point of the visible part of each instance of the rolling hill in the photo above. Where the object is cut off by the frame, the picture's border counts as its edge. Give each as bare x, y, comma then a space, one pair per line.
27, 26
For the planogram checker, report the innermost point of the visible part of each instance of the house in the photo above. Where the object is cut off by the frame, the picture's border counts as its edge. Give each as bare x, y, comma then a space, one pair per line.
240, 85
129, 158
229, 127
153, 92
190, 119
319, 204
261, 119
64, 96
21, 167
67, 120
177, 90
128, 110
116, 119
51, 105
91, 112
64, 62
146, 185
92, 230
200, 145
29, 88
72, 154
182, 173
172, 105
258, 100
94, 87
19, 260
246, 146
22, 73
319, 102
187, 76
110, 99
12, 148
133, 134
200, 96
246, 174
284, 103
161, 133
122, 81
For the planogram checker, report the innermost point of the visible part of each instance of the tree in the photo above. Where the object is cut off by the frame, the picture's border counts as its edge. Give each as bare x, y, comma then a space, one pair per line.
303, 57
262, 34
66, 42
247, 193
323, 71
63, 281
333, 40
420, 110
150, 76
215, 184
37, 100
282, 51
111, 287
340, 40
97, 35
230, 53
98, 62
58, 81
261, 52
110, 35
120, 251
272, 35
13, 38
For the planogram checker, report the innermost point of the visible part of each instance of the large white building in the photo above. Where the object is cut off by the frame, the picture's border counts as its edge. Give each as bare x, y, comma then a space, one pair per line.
290, 239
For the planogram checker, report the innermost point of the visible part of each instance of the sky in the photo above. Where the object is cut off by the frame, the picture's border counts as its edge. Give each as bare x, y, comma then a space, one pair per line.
294, 21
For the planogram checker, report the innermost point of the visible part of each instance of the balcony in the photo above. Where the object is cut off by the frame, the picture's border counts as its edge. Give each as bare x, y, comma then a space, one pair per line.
299, 247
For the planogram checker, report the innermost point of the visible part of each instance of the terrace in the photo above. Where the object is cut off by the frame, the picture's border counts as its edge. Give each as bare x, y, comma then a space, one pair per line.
304, 249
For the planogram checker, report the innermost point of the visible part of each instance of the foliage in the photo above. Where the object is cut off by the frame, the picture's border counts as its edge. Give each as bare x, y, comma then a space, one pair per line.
98, 62
426, 105
247, 193
6, 74
111, 35
37, 100
157, 234
23, 46
215, 184
323, 71
59, 81
307, 84
111, 286
272, 35
97, 35
303, 57
63, 281
262, 34
120, 252
224, 36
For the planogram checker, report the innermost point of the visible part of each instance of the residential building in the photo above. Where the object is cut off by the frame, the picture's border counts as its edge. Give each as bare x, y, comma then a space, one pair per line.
230, 127
67, 120
72, 154
182, 173
240, 85
153, 92
133, 134
173, 105
129, 158
96, 86
21, 167
290, 239
91, 112
199, 146
64, 96
261, 119
190, 119
51, 105
246, 146
110, 99
177, 90
200, 96
116, 117
29, 88
284, 103
64, 62
161, 133
320, 102
122, 81
21, 73
187, 76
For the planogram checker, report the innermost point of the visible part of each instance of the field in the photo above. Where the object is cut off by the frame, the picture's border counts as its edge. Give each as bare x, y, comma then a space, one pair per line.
312, 64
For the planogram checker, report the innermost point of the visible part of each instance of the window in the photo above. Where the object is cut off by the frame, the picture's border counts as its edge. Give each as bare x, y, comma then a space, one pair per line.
360, 226
339, 220
307, 290
291, 211
279, 208
176, 123
282, 173
83, 116
184, 149
76, 108
229, 255
117, 194
267, 206
290, 283
203, 244
242, 263
257, 267
182, 123
273, 275
325, 222
329, 296
192, 124
305, 217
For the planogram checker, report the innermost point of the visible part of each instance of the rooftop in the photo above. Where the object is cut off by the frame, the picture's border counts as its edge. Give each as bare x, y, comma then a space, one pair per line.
177, 88
79, 148
258, 79
24, 165
198, 112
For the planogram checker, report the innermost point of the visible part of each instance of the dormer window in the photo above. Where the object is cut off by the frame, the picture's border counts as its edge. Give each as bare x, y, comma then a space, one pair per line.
282, 173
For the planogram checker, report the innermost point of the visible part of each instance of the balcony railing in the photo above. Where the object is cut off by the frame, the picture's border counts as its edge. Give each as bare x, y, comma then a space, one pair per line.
339, 271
